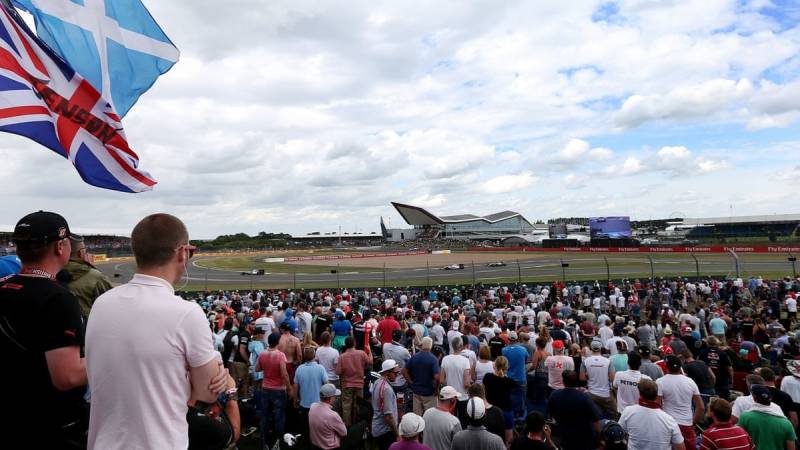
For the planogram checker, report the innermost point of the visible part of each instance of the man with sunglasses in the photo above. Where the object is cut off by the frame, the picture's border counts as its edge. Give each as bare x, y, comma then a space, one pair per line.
41, 340
144, 372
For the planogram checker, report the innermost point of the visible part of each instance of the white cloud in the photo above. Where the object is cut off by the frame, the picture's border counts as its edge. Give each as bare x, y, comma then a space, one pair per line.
578, 151
708, 165
429, 201
601, 153
304, 109
573, 181
509, 183
671, 160
682, 102
631, 166
573, 151
776, 105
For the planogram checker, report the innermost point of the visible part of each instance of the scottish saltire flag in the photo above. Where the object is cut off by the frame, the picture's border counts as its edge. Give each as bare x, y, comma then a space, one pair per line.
114, 44
44, 99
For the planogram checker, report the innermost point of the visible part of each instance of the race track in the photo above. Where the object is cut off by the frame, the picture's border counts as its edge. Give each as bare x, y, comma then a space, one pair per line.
542, 268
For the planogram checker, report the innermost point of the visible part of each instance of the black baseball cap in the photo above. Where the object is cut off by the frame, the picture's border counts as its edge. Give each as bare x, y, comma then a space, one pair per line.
42, 227
761, 394
673, 362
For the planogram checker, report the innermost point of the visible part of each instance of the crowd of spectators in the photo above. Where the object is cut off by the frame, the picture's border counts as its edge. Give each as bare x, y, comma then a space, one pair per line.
643, 364
589, 357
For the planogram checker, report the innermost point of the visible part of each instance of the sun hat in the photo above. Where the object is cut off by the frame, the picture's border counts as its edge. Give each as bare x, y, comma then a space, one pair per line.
388, 365
411, 425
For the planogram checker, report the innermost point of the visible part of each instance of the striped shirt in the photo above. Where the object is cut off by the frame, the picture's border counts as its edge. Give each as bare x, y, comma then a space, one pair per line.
726, 436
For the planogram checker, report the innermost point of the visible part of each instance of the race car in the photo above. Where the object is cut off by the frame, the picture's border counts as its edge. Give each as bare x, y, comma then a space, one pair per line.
496, 264
454, 267
254, 272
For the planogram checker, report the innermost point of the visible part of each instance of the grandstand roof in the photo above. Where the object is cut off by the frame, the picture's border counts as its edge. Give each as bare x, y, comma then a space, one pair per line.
743, 219
416, 215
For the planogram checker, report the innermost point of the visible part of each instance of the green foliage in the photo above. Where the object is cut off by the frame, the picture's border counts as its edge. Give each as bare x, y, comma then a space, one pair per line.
242, 241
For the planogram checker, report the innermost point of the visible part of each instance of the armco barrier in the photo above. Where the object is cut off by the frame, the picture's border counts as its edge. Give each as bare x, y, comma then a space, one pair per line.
676, 249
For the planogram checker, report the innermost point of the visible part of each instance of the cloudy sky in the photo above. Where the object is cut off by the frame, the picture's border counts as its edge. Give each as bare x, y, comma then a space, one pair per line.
298, 116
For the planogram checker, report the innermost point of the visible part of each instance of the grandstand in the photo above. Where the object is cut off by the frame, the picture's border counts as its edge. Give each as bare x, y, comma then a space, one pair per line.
334, 239
109, 245
464, 227
779, 226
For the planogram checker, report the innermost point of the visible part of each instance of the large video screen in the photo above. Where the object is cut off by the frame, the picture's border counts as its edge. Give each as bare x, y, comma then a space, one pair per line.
558, 231
610, 227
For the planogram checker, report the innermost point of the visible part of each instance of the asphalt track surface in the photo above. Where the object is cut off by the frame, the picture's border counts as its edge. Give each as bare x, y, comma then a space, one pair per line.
541, 268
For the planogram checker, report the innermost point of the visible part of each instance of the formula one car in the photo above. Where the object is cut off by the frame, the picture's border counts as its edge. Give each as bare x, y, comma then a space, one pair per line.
454, 267
254, 272
496, 264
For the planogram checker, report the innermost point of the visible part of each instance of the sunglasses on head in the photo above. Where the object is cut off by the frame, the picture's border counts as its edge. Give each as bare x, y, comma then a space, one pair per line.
191, 248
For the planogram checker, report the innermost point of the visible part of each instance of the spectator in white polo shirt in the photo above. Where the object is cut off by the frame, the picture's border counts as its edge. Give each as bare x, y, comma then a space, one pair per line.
140, 396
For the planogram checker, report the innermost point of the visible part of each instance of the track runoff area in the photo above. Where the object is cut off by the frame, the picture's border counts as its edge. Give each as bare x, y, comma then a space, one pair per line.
337, 268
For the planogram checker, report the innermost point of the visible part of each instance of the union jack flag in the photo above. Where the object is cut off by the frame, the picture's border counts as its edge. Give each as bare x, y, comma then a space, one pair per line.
44, 99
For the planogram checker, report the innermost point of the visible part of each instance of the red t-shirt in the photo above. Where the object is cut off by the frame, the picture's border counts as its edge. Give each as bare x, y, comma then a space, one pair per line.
385, 329
270, 362
351, 368
725, 436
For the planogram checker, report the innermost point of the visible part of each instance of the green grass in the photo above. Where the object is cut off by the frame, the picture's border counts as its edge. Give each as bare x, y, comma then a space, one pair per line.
577, 261
246, 264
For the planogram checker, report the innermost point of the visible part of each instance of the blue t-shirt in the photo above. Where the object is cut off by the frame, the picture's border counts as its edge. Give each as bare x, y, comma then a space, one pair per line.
342, 328
255, 347
717, 326
292, 324
310, 377
516, 356
422, 367
9, 265
474, 343
619, 362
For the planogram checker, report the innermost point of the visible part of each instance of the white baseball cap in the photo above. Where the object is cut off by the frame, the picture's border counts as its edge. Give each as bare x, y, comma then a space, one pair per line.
329, 390
476, 408
447, 393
